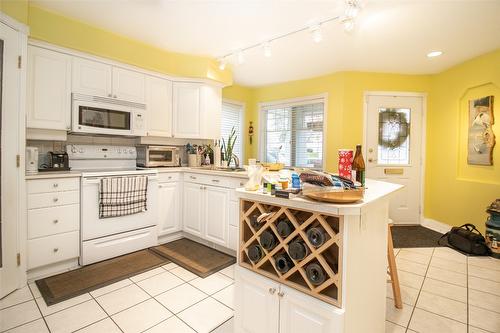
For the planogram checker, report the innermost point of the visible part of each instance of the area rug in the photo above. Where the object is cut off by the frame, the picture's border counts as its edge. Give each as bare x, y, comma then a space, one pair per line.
195, 257
414, 236
64, 286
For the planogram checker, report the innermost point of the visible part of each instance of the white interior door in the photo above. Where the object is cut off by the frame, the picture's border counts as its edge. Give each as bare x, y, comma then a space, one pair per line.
10, 77
394, 150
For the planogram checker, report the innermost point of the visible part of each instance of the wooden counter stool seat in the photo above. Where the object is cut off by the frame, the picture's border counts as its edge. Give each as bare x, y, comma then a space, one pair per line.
393, 270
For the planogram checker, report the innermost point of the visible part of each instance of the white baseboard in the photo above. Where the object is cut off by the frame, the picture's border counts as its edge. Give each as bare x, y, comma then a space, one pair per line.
436, 225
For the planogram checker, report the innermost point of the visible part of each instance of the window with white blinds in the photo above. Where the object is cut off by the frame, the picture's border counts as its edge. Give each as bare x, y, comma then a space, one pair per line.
232, 116
293, 133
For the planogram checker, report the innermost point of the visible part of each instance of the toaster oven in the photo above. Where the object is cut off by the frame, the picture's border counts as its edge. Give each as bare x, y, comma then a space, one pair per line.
157, 156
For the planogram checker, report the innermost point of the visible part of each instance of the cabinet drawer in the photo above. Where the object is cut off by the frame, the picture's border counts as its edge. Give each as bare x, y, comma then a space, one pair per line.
48, 250
51, 221
53, 185
53, 199
227, 182
165, 177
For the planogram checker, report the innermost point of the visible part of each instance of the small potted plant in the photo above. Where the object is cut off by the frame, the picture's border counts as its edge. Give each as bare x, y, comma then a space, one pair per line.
192, 151
227, 148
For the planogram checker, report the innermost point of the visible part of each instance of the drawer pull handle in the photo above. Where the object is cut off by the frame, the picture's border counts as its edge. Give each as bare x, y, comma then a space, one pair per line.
216, 180
169, 177
56, 221
56, 249
56, 185
241, 184
56, 199
272, 291
192, 177
281, 294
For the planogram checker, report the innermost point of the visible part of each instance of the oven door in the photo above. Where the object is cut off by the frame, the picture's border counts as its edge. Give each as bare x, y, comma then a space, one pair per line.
101, 118
161, 156
92, 227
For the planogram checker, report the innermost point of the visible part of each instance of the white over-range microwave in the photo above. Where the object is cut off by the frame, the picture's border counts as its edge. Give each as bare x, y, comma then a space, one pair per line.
100, 115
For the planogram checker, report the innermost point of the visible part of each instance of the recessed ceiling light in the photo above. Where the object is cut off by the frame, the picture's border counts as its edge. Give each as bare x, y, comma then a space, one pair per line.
434, 54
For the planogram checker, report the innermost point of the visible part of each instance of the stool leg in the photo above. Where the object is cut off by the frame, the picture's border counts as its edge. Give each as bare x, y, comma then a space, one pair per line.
393, 271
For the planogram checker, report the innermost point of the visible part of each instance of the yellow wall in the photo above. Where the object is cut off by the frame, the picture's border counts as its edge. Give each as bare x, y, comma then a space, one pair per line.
455, 192
17, 9
63, 31
345, 90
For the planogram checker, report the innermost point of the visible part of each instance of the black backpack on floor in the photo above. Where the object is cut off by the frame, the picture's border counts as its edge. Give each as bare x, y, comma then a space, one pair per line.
466, 239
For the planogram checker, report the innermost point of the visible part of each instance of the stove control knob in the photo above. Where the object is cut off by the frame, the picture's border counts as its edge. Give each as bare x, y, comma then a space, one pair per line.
73, 149
131, 151
81, 150
119, 151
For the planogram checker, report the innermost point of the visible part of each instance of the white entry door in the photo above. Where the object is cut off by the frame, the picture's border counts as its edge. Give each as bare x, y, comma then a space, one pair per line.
393, 150
10, 77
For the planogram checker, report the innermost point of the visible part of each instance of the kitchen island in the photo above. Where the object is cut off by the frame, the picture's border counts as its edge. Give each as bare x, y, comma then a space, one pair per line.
339, 284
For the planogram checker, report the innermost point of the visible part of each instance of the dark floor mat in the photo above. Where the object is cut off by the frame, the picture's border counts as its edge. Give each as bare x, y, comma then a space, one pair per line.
195, 257
414, 236
64, 286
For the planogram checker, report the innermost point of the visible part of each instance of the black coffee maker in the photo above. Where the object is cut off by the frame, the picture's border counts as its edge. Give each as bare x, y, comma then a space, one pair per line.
57, 161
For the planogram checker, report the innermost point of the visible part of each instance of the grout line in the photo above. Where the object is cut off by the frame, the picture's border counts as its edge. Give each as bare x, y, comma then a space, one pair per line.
222, 323
10, 306
418, 296
107, 314
34, 300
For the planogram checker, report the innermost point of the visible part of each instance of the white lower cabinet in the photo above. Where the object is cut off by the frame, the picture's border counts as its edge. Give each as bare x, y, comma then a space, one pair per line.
263, 305
169, 207
192, 212
53, 221
216, 214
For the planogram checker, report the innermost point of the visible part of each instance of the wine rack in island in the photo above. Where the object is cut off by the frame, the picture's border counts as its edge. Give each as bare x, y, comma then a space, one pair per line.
301, 249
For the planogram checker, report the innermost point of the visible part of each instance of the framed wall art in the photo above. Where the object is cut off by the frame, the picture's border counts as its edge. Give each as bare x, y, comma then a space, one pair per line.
481, 137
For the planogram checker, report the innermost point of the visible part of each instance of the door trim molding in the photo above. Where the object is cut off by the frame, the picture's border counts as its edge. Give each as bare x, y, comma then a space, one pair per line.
423, 139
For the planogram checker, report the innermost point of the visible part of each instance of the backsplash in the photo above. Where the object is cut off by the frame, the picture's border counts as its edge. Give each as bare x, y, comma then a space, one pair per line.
45, 146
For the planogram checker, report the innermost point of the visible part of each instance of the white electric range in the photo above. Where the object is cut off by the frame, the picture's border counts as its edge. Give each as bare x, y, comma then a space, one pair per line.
110, 237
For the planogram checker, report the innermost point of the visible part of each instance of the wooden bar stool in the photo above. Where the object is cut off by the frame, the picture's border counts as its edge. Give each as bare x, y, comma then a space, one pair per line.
393, 270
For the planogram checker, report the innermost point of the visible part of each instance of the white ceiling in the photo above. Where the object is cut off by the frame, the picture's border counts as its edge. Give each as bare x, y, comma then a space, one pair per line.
390, 36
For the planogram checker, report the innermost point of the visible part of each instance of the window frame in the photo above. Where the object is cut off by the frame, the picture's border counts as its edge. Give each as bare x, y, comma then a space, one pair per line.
287, 103
242, 125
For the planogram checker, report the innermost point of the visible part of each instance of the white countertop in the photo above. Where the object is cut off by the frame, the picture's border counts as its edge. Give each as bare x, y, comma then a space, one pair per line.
54, 174
375, 190
201, 170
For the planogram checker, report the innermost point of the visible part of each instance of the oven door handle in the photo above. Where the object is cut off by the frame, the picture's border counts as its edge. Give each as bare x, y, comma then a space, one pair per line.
97, 180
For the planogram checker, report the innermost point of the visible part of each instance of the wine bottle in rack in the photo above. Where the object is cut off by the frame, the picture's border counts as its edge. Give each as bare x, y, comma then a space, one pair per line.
317, 236
254, 222
285, 228
298, 250
268, 240
315, 274
283, 262
255, 253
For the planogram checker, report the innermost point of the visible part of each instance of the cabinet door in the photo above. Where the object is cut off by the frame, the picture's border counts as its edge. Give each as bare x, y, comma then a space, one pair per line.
257, 303
302, 313
193, 209
159, 107
217, 214
211, 110
128, 85
49, 89
91, 77
186, 110
233, 230
169, 208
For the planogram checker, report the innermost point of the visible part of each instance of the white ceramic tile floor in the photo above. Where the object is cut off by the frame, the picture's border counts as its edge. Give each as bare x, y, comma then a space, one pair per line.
434, 300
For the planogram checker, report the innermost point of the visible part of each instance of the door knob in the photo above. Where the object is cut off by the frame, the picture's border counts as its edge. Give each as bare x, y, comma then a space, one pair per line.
56, 221
56, 249
272, 291
281, 294
56, 199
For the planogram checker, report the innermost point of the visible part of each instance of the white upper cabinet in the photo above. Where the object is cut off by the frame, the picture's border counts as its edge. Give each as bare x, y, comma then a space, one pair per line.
196, 110
92, 77
211, 111
187, 110
129, 85
49, 89
159, 106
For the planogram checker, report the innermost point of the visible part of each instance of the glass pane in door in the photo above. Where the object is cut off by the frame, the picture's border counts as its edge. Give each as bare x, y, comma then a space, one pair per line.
394, 136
